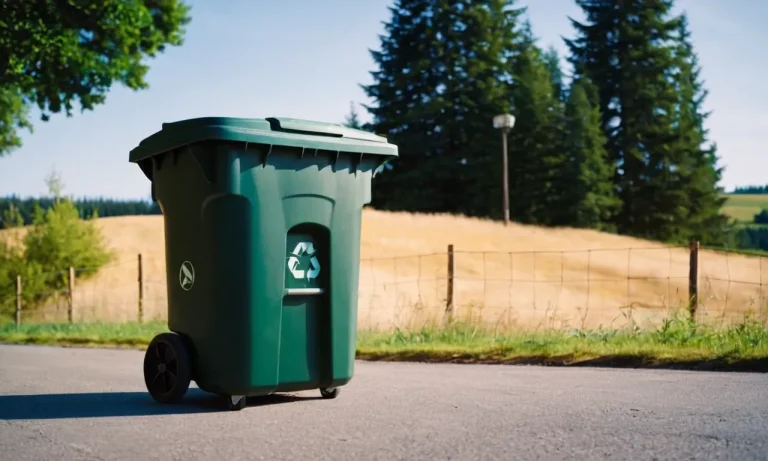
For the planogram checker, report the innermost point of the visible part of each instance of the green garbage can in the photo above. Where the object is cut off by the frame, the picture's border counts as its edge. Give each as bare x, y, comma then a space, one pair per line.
262, 240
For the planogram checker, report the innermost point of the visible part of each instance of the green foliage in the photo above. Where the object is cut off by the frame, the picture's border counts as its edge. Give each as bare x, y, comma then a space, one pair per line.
537, 174
623, 148
443, 71
698, 168
641, 59
589, 200
57, 53
13, 264
10, 264
14, 116
752, 237
11, 217
59, 239
552, 60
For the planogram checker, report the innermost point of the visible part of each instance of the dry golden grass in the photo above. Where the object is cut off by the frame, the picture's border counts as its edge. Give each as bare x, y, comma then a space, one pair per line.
515, 277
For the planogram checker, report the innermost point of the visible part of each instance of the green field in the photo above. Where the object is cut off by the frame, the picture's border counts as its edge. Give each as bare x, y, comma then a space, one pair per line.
743, 207
677, 343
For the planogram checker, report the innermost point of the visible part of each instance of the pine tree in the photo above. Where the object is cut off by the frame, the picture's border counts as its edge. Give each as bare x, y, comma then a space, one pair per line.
352, 119
403, 91
702, 174
552, 60
442, 75
484, 37
589, 196
537, 156
629, 54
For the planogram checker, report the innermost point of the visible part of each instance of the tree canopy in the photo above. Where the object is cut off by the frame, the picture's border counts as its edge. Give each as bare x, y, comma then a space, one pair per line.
56, 53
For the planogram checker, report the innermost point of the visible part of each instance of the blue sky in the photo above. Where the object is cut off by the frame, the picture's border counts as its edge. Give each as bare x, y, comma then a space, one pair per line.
306, 59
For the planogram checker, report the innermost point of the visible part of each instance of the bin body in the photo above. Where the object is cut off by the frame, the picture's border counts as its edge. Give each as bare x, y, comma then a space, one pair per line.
262, 238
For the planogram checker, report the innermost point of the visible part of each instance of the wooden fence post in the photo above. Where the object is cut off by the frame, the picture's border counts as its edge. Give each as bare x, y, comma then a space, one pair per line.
693, 280
141, 290
71, 294
18, 301
449, 296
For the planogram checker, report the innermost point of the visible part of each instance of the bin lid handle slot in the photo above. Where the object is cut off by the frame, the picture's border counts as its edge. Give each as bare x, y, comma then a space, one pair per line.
311, 128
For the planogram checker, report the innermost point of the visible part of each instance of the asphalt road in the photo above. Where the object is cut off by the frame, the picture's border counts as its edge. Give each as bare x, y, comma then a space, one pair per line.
83, 404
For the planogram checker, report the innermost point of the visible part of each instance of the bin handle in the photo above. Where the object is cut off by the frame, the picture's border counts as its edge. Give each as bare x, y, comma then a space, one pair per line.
304, 291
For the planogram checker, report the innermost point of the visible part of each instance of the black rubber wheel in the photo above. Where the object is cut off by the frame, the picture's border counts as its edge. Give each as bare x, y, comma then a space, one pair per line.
167, 368
329, 393
237, 406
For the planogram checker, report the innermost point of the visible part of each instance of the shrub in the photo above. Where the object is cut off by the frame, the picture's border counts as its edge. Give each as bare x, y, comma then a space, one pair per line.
57, 240
13, 264
60, 239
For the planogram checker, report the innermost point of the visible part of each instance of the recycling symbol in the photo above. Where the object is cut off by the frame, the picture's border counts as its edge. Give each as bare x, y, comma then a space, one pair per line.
304, 248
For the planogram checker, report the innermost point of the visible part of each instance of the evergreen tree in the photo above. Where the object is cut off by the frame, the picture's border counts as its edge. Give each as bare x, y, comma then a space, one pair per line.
403, 90
701, 173
484, 38
589, 196
631, 55
353, 118
442, 75
552, 59
537, 154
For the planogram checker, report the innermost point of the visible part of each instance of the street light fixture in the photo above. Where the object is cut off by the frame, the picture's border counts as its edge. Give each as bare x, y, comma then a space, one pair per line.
504, 122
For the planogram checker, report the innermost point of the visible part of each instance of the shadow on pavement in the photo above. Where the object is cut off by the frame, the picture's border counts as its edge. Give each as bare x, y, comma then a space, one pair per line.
112, 404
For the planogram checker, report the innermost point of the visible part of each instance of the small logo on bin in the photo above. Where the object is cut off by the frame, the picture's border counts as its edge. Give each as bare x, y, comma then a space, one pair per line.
186, 276
304, 248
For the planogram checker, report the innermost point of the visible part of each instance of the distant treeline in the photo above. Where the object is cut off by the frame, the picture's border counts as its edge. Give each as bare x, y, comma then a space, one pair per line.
86, 207
752, 238
751, 190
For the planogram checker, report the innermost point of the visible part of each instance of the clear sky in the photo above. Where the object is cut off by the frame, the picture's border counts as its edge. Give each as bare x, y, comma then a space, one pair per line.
306, 59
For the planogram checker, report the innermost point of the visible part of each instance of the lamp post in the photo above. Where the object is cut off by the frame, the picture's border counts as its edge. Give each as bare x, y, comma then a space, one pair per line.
504, 122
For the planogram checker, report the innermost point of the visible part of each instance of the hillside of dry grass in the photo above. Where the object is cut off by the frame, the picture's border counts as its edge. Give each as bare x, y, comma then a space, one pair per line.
515, 277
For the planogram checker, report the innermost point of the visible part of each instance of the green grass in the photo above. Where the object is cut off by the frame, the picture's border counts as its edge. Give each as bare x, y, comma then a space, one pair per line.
678, 343
744, 207
132, 335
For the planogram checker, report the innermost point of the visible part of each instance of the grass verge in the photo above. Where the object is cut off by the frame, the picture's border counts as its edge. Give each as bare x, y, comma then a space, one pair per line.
678, 343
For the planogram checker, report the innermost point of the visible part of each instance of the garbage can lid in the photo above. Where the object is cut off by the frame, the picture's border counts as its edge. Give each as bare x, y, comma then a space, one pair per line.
268, 131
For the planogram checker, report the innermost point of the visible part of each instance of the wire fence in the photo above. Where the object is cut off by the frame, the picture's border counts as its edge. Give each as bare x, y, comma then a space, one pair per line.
592, 288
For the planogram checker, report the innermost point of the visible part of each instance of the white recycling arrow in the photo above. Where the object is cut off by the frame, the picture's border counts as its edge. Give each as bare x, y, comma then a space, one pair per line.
314, 270
307, 248
293, 266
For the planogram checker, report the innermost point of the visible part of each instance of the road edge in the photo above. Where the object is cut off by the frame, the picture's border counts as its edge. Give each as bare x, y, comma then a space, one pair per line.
416, 355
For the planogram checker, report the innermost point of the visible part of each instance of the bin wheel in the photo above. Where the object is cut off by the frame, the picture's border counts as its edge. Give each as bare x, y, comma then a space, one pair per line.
167, 368
329, 393
237, 402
